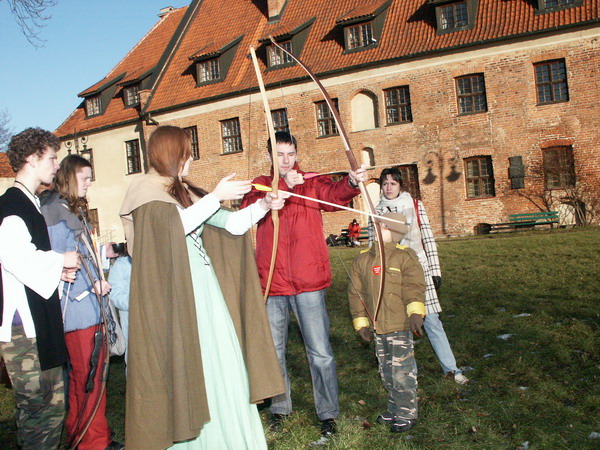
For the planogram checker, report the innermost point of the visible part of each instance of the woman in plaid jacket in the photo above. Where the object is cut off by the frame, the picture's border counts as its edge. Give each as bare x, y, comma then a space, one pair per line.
420, 239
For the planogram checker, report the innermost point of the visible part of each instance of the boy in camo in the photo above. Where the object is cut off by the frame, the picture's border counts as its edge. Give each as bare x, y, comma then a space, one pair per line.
401, 312
31, 331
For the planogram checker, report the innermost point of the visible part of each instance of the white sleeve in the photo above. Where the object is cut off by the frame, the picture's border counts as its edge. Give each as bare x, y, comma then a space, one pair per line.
241, 221
38, 270
195, 215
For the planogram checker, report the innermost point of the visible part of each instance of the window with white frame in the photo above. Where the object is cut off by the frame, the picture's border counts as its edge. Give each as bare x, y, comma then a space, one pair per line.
278, 57
231, 136
93, 106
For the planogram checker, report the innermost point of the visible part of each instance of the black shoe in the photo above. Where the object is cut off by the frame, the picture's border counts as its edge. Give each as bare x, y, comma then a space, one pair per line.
402, 425
276, 421
328, 427
114, 445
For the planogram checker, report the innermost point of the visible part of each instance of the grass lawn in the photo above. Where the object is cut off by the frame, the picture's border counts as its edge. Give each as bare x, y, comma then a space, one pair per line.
536, 388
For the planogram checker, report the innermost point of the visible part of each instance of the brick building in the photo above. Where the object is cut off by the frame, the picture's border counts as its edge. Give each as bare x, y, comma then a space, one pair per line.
491, 107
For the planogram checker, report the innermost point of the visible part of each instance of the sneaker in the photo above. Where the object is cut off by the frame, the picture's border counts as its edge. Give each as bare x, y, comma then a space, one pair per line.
385, 419
402, 425
276, 421
328, 427
461, 379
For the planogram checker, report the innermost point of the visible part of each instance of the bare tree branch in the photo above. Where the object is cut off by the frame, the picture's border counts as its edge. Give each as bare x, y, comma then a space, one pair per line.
30, 15
5, 131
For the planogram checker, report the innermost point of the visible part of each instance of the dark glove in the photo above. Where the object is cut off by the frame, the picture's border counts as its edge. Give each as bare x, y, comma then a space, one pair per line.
416, 324
437, 282
365, 334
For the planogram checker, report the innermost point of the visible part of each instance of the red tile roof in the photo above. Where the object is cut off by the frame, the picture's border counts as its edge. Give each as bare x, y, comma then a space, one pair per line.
5, 169
409, 31
139, 61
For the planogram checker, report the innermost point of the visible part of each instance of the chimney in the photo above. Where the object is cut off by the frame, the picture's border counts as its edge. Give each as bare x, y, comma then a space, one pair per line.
166, 10
275, 7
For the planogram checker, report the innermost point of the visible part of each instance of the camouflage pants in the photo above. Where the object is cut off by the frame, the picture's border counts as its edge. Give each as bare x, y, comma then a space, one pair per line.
40, 395
398, 370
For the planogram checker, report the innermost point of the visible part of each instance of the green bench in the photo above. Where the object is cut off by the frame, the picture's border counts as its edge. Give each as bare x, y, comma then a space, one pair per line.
342, 239
522, 221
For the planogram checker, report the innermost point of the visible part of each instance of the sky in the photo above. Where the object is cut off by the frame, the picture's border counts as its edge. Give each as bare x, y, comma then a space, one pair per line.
84, 40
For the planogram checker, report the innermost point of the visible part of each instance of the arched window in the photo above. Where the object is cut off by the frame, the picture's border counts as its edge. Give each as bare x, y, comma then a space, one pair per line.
364, 111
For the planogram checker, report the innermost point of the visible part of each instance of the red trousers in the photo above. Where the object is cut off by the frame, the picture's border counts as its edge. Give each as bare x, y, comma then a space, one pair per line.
80, 345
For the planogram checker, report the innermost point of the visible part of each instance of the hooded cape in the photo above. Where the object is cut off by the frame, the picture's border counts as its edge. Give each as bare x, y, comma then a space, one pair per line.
166, 400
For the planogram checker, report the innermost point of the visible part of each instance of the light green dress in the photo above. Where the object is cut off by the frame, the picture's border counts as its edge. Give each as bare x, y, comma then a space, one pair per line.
235, 423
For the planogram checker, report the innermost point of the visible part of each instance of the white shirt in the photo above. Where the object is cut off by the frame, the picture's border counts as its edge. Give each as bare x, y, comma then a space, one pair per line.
24, 265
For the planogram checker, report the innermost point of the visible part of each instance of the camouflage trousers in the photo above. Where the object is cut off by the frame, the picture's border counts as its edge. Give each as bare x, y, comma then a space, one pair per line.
40, 395
398, 370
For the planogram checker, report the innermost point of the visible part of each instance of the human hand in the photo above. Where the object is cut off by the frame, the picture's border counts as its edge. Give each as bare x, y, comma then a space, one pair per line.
416, 324
437, 282
68, 275
102, 287
293, 178
360, 176
365, 334
229, 189
71, 260
274, 202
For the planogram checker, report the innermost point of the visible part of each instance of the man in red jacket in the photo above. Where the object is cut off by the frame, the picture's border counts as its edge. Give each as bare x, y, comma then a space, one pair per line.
302, 273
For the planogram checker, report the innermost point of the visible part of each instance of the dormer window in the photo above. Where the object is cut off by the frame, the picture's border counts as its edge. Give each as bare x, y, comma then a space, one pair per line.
363, 25
453, 16
209, 70
131, 95
278, 57
360, 35
546, 6
92, 106
213, 61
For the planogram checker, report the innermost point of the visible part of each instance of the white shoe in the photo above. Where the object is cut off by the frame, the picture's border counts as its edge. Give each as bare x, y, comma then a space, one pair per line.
460, 378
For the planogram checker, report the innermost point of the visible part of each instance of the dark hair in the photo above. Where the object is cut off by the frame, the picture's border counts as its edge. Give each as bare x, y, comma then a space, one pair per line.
28, 142
282, 137
169, 148
65, 183
394, 173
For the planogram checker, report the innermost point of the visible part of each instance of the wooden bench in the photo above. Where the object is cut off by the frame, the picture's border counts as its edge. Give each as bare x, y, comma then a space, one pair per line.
522, 221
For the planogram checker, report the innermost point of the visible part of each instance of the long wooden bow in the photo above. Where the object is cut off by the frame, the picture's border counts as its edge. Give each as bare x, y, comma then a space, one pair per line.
275, 161
353, 165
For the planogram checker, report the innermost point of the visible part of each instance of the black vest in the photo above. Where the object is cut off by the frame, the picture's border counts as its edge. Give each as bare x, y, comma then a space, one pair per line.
46, 314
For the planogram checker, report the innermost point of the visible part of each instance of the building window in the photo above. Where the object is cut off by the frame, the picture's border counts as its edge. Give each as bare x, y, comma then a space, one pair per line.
397, 103
131, 95
471, 94
280, 120
92, 106
480, 177
325, 121
193, 131
410, 179
232, 137
551, 82
209, 70
134, 161
93, 219
454, 16
559, 167
548, 4
278, 57
358, 36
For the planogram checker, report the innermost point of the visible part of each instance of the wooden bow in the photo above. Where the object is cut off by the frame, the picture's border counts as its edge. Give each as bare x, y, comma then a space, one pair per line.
353, 165
275, 162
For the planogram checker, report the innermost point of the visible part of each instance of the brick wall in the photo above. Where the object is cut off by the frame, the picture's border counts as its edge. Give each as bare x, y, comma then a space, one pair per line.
438, 139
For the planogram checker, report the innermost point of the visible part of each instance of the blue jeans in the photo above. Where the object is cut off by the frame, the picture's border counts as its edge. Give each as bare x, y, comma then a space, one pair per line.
439, 342
311, 313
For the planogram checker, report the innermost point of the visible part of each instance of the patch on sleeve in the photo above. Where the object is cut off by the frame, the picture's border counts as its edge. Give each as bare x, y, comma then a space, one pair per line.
401, 247
376, 270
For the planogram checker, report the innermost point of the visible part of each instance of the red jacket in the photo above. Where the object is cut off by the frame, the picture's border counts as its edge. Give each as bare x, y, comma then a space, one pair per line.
302, 263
